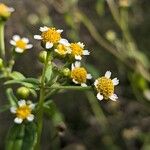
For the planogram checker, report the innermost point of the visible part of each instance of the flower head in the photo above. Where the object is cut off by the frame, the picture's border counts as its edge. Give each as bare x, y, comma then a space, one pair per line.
77, 50
105, 87
20, 44
50, 37
79, 74
5, 11
62, 50
23, 111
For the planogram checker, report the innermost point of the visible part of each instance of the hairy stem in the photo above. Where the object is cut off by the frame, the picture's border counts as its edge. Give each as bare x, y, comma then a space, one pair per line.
2, 44
40, 105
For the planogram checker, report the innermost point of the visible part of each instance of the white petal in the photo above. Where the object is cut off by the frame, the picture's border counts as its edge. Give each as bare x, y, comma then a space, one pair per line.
13, 109
26, 40
64, 42
115, 81
77, 64
78, 57
18, 120
99, 96
96, 82
83, 85
48, 45
81, 44
43, 29
16, 37
19, 50
68, 50
30, 117
29, 46
37, 37
59, 31
76, 82
10, 9
12, 42
113, 97
32, 106
72, 66
22, 103
89, 76
108, 74
86, 52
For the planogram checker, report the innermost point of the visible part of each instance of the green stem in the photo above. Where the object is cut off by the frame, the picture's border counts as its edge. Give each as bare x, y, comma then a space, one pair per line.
40, 105
70, 87
2, 44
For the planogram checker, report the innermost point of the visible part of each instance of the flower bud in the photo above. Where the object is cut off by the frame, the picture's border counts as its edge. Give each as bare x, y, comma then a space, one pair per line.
42, 56
23, 92
5, 11
110, 35
66, 72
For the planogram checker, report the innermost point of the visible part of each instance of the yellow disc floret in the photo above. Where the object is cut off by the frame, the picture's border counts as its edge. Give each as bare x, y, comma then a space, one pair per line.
105, 87
61, 49
23, 111
76, 49
51, 35
4, 10
21, 44
79, 74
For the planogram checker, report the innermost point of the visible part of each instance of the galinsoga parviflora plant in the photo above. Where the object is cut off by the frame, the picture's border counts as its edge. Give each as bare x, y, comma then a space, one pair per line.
28, 117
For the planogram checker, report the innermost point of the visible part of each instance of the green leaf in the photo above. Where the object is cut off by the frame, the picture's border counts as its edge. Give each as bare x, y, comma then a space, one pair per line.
11, 97
100, 6
48, 73
22, 82
4, 108
21, 137
17, 75
32, 81
30, 137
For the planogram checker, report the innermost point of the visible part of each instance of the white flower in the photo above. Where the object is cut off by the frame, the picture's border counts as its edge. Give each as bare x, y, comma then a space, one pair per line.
79, 74
77, 50
105, 87
23, 111
20, 44
51, 36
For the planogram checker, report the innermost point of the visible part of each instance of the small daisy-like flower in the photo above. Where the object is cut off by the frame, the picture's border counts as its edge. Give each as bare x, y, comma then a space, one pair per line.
50, 37
5, 11
23, 111
62, 50
20, 44
77, 50
105, 87
79, 74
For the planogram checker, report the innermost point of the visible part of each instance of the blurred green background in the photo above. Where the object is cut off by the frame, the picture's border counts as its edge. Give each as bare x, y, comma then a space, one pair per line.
92, 125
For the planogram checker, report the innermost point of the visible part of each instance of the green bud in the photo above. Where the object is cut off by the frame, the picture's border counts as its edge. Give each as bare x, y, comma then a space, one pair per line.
42, 56
23, 92
110, 35
66, 72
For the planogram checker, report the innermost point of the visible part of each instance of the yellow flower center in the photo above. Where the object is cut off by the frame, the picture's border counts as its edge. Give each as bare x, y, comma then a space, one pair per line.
4, 10
21, 44
51, 35
105, 87
79, 74
76, 49
61, 49
23, 112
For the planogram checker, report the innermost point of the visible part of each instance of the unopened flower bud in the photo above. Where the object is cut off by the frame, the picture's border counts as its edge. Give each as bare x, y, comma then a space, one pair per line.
23, 92
66, 72
110, 35
42, 56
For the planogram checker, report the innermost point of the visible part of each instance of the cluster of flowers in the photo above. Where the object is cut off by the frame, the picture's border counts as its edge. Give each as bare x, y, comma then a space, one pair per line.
51, 39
